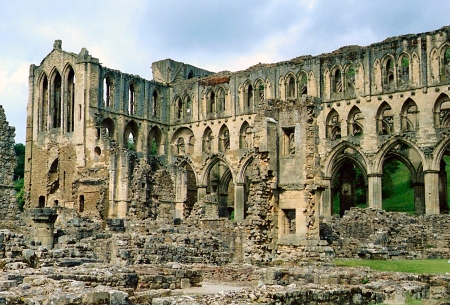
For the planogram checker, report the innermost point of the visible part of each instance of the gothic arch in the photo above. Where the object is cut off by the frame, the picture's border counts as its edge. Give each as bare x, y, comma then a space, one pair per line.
183, 141
409, 116
207, 140
290, 85
107, 129
404, 68
336, 79
303, 83
259, 95
224, 138
240, 177
177, 107
130, 135
438, 153
385, 119
388, 71
434, 66
355, 122
213, 160
333, 125
350, 80
56, 92
154, 141
109, 84
444, 61
248, 96
345, 150
442, 111
155, 103
245, 136
133, 93
407, 152
43, 101
69, 97
221, 99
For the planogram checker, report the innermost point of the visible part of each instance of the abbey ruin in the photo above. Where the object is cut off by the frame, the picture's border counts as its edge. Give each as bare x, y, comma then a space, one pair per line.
196, 167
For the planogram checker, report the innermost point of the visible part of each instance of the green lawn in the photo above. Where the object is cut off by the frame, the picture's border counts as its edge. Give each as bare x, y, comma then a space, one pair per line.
412, 266
402, 197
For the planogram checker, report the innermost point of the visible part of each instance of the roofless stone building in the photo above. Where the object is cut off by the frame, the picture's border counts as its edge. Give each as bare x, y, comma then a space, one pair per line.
268, 147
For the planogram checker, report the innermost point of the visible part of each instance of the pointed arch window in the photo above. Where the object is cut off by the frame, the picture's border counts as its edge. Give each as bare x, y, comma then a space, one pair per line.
409, 116
333, 126
337, 81
290, 87
350, 81
70, 105
446, 62
155, 106
389, 72
385, 120
131, 99
56, 101
404, 69
248, 98
303, 84
355, 122
44, 105
188, 108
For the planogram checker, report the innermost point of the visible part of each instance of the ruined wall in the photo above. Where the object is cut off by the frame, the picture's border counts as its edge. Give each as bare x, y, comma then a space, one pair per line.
374, 234
8, 207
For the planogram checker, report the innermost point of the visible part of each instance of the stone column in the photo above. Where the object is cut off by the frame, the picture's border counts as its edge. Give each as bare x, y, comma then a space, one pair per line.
443, 198
374, 199
326, 201
239, 203
201, 192
44, 225
431, 179
419, 198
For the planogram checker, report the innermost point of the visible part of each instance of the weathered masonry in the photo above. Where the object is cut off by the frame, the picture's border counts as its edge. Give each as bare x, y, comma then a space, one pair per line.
269, 146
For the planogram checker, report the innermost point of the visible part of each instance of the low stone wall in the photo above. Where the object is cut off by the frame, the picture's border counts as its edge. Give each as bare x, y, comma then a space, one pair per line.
374, 234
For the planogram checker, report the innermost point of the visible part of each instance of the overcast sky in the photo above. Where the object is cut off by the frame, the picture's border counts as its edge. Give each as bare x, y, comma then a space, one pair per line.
214, 35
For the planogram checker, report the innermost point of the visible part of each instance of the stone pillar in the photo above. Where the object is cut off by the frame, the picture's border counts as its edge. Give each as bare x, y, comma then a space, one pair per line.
443, 204
201, 192
375, 199
44, 225
431, 179
239, 202
326, 200
419, 198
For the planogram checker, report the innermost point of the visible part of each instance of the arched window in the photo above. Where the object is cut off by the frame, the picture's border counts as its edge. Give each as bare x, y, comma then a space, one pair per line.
181, 146
44, 105
355, 122
81, 204
179, 108
56, 101
303, 84
221, 100
211, 107
70, 105
154, 141
290, 87
385, 119
389, 72
333, 125
131, 136
409, 117
248, 98
155, 108
131, 99
224, 139
207, 140
188, 108
245, 136
259, 91
108, 91
404, 69
350, 81
442, 112
337, 81
446, 62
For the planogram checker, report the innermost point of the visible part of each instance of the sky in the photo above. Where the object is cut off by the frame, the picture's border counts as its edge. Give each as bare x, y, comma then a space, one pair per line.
215, 35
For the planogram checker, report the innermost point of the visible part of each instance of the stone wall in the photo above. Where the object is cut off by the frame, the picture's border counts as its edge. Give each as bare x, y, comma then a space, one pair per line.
374, 234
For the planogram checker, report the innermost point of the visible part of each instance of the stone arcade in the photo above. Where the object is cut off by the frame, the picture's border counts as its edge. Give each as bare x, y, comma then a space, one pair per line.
261, 147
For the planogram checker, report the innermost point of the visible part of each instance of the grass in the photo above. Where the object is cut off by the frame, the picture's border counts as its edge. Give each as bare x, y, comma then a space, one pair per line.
439, 266
402, 199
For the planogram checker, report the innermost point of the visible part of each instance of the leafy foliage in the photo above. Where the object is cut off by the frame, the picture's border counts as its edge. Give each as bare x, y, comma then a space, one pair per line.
19, 149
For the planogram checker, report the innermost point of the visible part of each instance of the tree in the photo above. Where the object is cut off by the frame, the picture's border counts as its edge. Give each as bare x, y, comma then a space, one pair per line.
19, 149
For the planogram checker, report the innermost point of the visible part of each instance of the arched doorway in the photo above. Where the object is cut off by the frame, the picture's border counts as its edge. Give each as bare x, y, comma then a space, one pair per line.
348, 187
